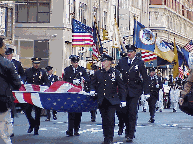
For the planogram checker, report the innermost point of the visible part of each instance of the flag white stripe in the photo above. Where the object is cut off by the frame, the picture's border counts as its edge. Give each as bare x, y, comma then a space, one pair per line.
81, 34
64, 88
36, 99
85, 42
19, 97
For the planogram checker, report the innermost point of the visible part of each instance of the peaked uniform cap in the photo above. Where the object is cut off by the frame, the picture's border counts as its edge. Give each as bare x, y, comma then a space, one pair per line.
48, 68
106, 57
74, 58
36, 60
130, 48
9, 51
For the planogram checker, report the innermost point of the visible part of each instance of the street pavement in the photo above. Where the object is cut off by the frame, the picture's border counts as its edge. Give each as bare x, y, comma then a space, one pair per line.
169, 128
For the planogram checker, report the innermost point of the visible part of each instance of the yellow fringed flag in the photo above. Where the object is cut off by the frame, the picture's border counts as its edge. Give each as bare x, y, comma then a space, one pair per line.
176, 63
54, 72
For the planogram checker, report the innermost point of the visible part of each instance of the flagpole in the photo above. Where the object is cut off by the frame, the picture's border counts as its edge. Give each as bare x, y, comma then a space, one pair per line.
134, 31
121, 43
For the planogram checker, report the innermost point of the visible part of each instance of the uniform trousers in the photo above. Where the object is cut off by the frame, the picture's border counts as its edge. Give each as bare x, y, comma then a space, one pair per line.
121, 114
34, 123
74, 120
107, 111
152, 104
131, 104
49, 115
93, 114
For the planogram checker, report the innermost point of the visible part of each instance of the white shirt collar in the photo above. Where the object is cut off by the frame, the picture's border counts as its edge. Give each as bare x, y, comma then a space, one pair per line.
131, 60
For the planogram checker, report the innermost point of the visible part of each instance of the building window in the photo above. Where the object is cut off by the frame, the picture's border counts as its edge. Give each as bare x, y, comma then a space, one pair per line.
32, 11
32, 48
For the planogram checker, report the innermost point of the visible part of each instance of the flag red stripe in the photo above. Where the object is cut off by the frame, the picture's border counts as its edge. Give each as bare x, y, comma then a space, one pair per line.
27, 98
81, 35
15, 101
80, 40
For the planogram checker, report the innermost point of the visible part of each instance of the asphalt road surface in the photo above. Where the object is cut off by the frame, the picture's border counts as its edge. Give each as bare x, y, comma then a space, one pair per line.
169, 128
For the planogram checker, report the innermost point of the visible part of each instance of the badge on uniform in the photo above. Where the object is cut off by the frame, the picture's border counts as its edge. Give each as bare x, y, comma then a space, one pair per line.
136, 67
120, 75
40, 75
113, 76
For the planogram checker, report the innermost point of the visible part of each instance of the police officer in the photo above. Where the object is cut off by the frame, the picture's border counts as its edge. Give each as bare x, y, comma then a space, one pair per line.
9, 55
133, 71
52, 78
35, 75
73, 74
155, 86
93, 112
105, 83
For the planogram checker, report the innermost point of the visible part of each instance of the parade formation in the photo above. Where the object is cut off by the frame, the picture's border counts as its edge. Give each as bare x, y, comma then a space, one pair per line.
114, 75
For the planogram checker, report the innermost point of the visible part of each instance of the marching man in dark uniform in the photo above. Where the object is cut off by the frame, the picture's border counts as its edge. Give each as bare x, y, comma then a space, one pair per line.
155, 86
9, 55
136, 80
52, 78
37, 76
105, 83
73, 74
93, 112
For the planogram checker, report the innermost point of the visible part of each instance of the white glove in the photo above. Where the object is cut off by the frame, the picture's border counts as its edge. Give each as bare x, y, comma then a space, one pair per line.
92, 93
147, 96
157, 86
123, 104
92, 72
76, 82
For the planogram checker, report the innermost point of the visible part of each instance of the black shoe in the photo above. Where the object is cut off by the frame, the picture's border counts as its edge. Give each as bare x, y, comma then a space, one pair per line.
152, 120
174, 110
120, 132
12, 135
144, 110
69, 133
107, 141
128, 139
47, 119
36, 132
160, 110
76, 133
93, 120
54, 117
30, 130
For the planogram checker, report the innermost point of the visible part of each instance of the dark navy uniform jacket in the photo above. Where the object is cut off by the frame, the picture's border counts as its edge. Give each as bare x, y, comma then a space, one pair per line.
105, 84
36, 76
19, 68
132, 74
69, 74
52, 78
154, 91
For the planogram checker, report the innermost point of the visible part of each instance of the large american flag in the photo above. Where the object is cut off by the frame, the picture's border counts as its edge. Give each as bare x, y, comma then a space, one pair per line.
81, 35
61, 96
148, 56
189, 46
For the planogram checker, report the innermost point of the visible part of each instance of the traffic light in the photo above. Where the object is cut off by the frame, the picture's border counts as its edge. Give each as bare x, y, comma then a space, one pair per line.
105, 34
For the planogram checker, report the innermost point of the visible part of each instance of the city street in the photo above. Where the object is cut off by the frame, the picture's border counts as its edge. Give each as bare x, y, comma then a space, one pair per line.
169, 128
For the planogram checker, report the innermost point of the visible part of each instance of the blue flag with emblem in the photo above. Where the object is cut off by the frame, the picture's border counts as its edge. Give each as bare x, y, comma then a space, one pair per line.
143, 37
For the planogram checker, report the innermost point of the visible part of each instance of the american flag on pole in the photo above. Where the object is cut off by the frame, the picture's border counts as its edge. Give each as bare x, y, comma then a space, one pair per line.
181, 73
189, 46
81, 35
61, 96
148, 56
